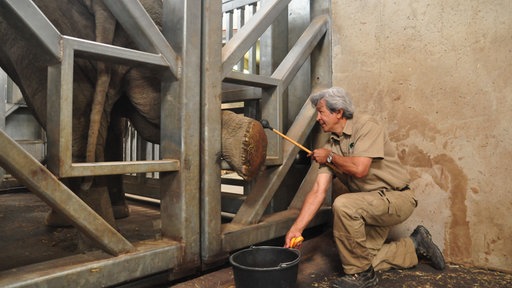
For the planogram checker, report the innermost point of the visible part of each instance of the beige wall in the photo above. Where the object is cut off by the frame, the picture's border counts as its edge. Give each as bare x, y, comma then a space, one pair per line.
439, 73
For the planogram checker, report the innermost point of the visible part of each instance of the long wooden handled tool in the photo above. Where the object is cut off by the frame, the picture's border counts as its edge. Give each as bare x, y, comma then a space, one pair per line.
266, 125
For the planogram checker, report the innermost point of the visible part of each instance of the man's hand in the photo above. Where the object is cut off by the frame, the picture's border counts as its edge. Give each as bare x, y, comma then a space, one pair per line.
293, 240
320, 155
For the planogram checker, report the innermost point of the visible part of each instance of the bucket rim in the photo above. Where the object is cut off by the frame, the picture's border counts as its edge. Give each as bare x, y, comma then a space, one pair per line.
280, 266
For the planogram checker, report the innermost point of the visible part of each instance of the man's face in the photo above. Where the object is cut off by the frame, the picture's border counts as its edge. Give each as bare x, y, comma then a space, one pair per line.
326, 118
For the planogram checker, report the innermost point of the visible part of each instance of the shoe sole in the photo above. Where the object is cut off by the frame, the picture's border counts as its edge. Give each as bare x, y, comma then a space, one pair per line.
438, 251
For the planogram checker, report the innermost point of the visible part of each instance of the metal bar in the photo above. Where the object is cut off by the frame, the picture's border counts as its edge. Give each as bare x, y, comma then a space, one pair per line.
273, 48
236, 236
25, 14
59, 111
305, 187
243, 94
211, 123
267, 184
181, 132
3, 100
241, 23
272, 109
249, 33
44, 184
253, 52
95, 269
104, 52
301, 50
143, 31
251, 80
121, 167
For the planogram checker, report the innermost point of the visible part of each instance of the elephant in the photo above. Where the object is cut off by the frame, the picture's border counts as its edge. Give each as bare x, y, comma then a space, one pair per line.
105, 95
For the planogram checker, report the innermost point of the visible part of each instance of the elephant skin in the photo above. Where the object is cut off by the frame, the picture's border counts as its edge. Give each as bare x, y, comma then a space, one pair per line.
104, 94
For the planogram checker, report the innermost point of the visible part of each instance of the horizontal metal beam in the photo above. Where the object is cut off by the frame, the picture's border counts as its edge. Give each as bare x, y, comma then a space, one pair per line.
276, 225
114, 54
252, 80
96, 269
124, 167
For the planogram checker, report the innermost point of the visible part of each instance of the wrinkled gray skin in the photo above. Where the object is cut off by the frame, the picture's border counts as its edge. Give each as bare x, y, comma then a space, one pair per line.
116, 91
102, 92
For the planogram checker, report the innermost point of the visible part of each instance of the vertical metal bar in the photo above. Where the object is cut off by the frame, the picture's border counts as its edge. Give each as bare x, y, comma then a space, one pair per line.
253, 51
229, 25
321, 58
180, 132
300, 87
59, 111
273, 49
211, 123
241, 22
3, 98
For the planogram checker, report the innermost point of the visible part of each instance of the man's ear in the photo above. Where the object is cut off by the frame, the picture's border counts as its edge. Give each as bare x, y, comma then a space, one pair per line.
340, 114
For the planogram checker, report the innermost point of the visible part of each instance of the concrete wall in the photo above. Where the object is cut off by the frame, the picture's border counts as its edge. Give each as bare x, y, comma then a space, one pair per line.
439, 73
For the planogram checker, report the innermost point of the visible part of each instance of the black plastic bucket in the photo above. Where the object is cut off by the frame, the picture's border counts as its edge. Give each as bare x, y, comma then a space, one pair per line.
265, 267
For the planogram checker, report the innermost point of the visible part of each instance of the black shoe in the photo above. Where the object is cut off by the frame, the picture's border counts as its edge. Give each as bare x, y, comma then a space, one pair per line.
425, 248
364, 279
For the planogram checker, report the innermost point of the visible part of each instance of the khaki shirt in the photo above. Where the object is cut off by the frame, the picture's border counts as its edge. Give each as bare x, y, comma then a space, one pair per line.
364, 136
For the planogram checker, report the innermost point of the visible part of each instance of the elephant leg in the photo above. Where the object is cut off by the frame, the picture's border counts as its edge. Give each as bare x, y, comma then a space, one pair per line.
244, 144
96, 197
114, 152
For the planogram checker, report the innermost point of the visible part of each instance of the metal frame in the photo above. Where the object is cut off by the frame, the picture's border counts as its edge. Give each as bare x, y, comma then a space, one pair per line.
249, 225
179, 210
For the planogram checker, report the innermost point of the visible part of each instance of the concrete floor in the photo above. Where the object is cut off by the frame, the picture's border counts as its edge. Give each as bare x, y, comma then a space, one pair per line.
26, 240
320, 265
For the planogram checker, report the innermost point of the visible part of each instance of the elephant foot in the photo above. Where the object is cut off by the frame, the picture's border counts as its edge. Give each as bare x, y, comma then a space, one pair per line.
54, 219
244, 144
121, 210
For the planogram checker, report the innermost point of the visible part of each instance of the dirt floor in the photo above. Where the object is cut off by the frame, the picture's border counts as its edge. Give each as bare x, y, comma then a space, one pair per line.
319, 266
24, 239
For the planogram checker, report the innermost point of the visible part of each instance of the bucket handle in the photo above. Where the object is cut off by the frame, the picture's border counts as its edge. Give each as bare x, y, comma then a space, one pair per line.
285, 264
281, 265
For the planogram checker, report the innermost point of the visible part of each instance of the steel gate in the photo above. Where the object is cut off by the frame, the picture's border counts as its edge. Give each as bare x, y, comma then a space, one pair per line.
190, 199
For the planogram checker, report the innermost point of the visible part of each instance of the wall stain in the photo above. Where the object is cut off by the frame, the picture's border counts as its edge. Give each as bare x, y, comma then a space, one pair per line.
458, 235
445, 172
449, 177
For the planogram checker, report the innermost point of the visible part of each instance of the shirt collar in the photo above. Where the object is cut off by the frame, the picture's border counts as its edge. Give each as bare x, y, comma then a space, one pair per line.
347, 130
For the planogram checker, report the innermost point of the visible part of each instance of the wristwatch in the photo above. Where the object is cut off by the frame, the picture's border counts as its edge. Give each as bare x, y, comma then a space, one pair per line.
329, 158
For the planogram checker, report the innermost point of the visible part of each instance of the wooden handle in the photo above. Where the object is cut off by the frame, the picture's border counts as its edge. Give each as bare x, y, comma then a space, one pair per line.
292, 141
303, 148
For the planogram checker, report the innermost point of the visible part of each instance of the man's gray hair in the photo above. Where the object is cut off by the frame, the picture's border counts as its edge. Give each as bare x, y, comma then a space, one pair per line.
335, 99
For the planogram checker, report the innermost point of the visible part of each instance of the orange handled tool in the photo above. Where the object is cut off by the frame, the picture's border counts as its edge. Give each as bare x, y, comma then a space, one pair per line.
296, 241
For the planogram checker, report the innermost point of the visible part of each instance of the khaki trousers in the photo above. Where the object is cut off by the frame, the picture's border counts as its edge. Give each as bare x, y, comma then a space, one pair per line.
362, 222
